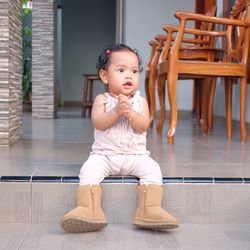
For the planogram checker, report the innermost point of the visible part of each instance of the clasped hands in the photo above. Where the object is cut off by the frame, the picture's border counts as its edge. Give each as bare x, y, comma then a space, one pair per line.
123, 107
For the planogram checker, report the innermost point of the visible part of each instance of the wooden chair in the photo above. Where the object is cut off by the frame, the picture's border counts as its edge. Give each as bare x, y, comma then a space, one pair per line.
191, 47
195, 49
160, 39
150, 82
233, 65
153, 45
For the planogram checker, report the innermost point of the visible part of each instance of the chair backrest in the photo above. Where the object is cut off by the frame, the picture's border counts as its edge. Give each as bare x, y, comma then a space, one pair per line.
236, 37
199, 41
207, 26
153, 45
236, 31
160, 44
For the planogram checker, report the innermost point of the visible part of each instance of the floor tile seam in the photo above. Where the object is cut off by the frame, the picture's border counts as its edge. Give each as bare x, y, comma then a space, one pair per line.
63, 163
24, 235
24, 162
31, 201
211, 147
158, 240
201, 142
46, 162
37, 167
34, 171
226, 153
211, 151
73, 142
201, 164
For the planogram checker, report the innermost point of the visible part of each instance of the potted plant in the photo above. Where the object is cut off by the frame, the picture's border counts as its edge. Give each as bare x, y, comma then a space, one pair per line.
26, 55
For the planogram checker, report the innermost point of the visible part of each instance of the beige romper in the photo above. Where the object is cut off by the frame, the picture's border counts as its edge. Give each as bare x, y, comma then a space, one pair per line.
120, 150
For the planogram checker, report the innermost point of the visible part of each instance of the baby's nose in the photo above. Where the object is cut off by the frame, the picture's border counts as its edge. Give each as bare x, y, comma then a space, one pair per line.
129, 74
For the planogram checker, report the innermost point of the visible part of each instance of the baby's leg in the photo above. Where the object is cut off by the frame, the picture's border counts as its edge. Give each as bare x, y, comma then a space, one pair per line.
94, 170
149, 213
88, 215
147, 169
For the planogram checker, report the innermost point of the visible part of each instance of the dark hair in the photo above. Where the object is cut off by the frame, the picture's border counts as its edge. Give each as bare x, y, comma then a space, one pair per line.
103, 58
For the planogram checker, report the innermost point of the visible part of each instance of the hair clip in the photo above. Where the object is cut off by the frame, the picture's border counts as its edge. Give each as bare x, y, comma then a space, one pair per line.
107, 51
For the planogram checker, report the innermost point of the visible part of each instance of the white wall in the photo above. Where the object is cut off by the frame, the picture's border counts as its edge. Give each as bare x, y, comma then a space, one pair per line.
143, 20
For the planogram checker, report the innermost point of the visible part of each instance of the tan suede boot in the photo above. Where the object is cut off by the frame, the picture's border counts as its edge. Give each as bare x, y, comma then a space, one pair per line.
88, 215
149, 213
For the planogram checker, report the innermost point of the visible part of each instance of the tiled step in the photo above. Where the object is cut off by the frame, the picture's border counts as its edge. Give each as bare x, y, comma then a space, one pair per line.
190, 200
126, 237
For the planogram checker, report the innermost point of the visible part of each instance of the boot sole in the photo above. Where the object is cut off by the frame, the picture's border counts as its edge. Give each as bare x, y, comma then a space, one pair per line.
73, 225
155, 225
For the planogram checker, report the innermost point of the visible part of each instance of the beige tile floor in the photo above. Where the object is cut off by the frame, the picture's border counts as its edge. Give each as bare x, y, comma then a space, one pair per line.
59, 147
126, 237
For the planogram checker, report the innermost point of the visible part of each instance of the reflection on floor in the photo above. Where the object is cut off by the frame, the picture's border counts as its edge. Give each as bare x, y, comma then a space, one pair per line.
59, 147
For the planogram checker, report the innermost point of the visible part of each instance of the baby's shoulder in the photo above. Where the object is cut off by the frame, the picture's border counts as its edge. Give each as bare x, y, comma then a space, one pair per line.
101, 97
143, 99
140, 98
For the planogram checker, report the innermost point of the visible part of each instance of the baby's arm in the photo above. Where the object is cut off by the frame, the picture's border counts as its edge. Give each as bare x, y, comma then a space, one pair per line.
103, 120
139, 122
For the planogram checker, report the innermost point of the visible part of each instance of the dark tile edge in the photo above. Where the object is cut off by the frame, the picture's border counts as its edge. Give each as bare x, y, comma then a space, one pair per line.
70, 179
166, 180
124, 179
198, 180
229, 180
8, 178
52, 179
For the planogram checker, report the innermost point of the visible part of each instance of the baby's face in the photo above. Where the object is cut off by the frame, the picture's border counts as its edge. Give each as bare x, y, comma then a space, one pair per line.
123, 73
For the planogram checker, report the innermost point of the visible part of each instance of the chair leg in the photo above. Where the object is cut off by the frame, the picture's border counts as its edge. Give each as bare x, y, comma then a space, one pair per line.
147, 91
152, 80
207, 104
228, 104
161, 93
243, 92
197, 97
210, 111
194, 103
84, 99
171, 83
91, 82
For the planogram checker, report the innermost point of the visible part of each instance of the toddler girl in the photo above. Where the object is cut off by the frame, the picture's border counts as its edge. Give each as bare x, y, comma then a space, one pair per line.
120, 118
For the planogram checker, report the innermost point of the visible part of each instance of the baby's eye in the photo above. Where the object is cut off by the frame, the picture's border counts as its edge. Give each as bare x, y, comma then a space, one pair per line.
135, 71
121, 70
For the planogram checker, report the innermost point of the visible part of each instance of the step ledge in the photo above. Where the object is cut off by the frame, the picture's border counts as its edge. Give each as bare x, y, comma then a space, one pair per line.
126, 179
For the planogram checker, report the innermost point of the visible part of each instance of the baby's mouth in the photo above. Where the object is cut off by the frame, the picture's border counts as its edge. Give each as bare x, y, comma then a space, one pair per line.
127, 84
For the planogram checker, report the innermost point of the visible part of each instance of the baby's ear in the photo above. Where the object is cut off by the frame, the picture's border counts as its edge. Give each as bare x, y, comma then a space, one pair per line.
104, 76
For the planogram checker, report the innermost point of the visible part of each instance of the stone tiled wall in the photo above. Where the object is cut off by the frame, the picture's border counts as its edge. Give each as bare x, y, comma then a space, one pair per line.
10, 71
43, 58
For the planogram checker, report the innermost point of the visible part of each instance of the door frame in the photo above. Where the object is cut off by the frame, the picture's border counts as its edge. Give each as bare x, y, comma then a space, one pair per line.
120, 21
